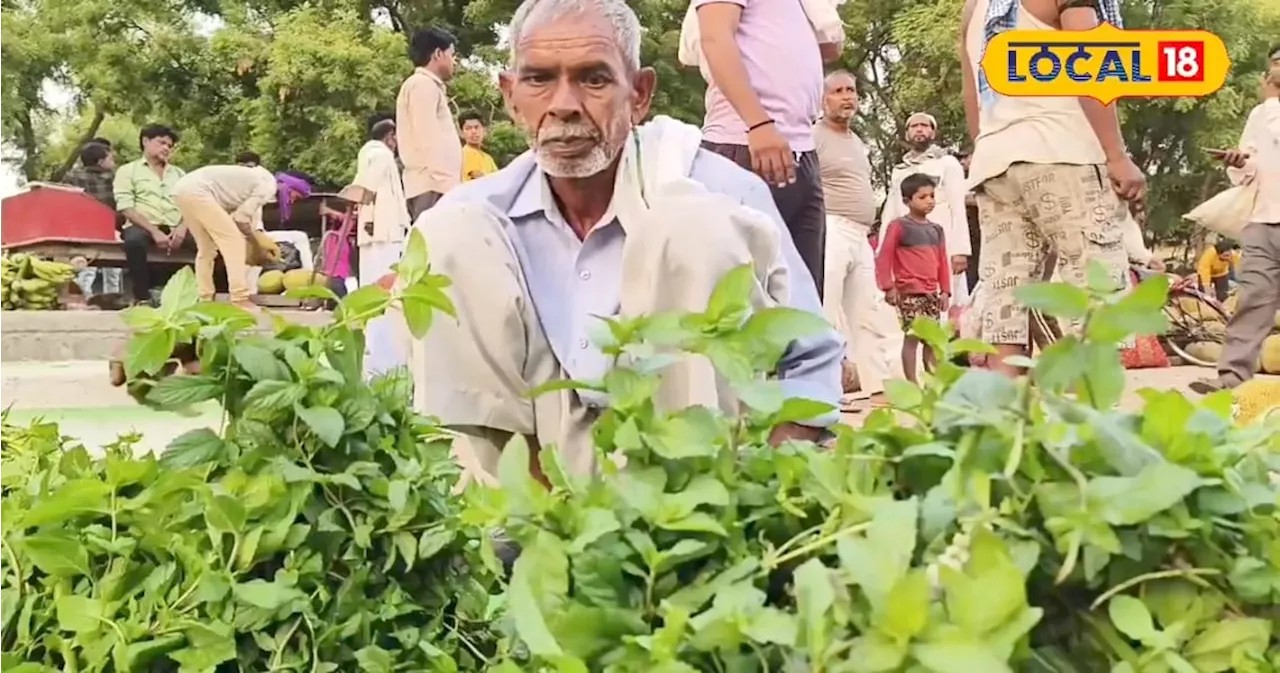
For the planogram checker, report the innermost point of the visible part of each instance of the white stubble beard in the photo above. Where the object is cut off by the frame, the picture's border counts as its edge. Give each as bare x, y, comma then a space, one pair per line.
594, 162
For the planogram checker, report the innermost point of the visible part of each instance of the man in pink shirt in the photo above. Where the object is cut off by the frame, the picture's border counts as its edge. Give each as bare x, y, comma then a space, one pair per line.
764, 91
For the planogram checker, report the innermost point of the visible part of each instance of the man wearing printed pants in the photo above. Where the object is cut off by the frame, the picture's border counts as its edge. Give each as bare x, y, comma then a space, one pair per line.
1047, 173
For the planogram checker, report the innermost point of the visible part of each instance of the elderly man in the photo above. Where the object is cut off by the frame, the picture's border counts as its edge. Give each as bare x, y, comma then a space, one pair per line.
851, 299
948, 177
1046, 171
537, 250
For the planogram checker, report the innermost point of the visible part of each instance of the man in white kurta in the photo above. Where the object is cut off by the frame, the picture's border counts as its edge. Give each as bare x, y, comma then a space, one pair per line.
382, 223
948, 175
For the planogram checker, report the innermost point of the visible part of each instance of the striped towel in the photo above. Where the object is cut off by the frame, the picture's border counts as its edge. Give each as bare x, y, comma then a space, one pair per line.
1002, 15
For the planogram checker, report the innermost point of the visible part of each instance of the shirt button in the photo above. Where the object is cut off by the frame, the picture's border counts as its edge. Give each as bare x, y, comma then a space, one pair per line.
583, 343
585, 275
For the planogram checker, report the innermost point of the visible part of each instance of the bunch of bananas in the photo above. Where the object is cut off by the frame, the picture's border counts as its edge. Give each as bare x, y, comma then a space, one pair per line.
28, 283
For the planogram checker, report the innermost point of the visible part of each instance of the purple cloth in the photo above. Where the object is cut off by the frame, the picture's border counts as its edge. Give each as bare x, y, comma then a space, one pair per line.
286, 186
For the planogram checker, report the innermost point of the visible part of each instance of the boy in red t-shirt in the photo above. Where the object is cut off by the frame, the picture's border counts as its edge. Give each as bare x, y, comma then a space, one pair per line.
912, 267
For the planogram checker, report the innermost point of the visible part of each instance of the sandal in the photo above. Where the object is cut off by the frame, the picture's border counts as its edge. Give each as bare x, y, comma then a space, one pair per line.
115, 369
850, 403
1208, 386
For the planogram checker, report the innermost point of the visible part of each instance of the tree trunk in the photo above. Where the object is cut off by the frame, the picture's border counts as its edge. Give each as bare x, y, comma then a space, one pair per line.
89, 133
30, 146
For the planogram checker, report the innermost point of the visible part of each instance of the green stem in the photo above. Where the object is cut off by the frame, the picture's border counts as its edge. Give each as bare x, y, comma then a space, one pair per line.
1113, 641
275, 656
819, 543
1159, 575
19, 581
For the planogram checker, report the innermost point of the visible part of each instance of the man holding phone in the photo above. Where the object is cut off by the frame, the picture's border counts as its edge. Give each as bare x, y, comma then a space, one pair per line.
1258, 160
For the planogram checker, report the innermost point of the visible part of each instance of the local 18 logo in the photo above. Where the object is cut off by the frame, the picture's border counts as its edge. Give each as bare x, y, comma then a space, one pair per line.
1106, 63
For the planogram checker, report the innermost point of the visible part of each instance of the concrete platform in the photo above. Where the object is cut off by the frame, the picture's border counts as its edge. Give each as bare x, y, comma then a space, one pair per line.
67, 336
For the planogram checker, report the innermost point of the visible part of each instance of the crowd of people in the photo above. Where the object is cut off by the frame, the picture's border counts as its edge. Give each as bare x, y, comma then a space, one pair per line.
541, 248
410, 159
586, 225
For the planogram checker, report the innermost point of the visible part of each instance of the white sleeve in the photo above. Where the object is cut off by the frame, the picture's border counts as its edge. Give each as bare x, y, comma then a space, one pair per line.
954, 191
1250, 139
892, 201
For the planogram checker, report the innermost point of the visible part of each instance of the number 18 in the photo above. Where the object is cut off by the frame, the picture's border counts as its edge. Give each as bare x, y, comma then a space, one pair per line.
1181, 62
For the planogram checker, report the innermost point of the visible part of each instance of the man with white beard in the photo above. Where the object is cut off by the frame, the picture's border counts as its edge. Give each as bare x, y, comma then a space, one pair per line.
852, 301
541, 247
926, 157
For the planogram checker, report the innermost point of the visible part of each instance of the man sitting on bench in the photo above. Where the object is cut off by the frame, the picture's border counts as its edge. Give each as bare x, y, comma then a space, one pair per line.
144, 195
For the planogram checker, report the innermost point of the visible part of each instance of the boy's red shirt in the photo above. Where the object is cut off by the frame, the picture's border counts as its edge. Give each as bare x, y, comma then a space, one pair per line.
913, 258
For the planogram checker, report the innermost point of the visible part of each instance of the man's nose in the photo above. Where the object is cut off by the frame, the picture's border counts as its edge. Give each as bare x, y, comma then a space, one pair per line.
565, 101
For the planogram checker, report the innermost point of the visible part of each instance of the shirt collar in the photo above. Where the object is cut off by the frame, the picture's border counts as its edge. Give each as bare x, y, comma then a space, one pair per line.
535, 198
423, 70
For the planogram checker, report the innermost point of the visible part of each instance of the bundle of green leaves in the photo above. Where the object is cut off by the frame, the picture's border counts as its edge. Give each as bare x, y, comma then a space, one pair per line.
986, 525
313, 531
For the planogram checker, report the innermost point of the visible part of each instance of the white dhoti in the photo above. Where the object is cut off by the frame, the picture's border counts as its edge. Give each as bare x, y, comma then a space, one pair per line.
856, 307
959, 290
383, 350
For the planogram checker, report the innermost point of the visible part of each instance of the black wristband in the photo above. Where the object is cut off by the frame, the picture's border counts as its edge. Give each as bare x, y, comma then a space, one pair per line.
758, 125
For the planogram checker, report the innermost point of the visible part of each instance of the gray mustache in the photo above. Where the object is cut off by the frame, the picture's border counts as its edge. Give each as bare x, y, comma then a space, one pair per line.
565, 133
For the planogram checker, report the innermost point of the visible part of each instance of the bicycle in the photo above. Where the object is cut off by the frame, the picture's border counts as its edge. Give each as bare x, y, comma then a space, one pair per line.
1192, 316
1201, 319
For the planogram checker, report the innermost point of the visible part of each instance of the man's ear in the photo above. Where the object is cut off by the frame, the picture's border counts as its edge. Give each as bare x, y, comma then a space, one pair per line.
646, 82
506, 80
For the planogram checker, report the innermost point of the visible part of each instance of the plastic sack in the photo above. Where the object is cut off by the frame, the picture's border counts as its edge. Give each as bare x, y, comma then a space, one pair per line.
1228, 212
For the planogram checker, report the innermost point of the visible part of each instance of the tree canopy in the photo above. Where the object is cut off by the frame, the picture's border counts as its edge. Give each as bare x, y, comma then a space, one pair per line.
295, 81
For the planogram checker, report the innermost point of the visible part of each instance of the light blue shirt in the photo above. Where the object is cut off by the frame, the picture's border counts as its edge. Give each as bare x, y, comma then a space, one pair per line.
572, 281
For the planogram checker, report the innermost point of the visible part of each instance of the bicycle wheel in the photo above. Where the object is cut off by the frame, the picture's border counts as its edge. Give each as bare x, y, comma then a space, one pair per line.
1193, 318
1045, 330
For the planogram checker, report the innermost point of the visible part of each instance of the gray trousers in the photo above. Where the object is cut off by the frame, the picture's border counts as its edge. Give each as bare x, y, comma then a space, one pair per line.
1259, 293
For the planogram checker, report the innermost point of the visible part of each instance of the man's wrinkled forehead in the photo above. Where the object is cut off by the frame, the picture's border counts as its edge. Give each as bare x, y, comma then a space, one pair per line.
569, 40
840, 82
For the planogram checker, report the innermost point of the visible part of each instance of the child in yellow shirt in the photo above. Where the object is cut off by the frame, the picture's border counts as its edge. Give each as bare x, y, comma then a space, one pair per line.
476, 162
1215, 267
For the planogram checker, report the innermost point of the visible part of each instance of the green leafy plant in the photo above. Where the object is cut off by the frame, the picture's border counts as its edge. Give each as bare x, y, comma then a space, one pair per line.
313, 531
982, 525
1013, 525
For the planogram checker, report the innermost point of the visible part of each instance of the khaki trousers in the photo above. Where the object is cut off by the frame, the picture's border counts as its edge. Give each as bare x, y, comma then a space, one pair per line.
1259, 300
474, 374
856, 307
215, 232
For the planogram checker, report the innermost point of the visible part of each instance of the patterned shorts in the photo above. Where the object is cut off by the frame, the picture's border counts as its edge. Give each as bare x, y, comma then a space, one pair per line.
1036, 219
912, 306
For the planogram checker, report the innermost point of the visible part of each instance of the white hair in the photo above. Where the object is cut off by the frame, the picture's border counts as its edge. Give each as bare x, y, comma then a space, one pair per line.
626, 26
